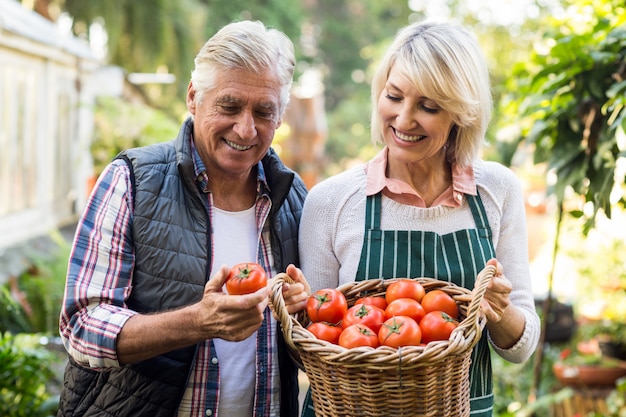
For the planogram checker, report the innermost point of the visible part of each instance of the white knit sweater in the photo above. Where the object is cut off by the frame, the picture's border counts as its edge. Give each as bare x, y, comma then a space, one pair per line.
333, 223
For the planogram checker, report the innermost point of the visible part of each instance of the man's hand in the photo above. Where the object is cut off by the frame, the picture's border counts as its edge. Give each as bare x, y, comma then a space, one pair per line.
229, 317
217, 315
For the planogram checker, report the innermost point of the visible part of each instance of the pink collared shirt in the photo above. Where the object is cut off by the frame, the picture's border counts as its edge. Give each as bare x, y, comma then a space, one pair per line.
463, 182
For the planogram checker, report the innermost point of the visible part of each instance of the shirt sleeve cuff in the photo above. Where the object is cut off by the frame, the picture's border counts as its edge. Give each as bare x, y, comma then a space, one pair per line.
96, 348
523, 348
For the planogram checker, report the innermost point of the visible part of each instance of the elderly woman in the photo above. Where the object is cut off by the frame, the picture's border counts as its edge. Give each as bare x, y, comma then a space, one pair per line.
427, 205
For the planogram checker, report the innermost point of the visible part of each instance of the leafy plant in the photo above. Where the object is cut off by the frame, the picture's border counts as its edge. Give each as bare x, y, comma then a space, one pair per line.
25, 367
12, 317
574, 357
120, 125
602, 286
605, 330
43, 284
513, 384
616, 401
571, 94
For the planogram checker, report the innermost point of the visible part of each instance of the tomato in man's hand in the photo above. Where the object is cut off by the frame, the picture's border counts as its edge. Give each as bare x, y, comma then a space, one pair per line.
358, 335
367, 315
325, 331
327, 305
373, 300
400, 331
405, 307
245, 278
437, 325
438, 300
404, 288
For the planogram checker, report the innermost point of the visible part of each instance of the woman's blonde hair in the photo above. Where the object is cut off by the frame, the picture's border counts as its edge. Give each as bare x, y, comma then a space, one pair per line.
445, 63
247, 45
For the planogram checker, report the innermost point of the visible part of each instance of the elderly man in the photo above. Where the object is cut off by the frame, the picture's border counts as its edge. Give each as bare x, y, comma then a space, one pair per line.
147, 325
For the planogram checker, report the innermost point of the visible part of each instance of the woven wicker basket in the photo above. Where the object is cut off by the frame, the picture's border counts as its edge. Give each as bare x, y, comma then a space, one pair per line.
431, 380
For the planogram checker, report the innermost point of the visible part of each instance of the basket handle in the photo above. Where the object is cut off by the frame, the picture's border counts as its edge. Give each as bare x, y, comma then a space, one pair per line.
472, 322
278, 304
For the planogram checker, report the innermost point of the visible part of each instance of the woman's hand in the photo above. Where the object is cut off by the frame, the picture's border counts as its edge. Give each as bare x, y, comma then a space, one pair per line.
496, 299
295, 293
505, 321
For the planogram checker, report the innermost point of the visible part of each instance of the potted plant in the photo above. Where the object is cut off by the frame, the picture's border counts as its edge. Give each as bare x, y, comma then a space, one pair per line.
577, 367
610, 335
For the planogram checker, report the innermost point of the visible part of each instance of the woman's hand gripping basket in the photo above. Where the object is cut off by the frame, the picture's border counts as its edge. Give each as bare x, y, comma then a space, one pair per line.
431, 380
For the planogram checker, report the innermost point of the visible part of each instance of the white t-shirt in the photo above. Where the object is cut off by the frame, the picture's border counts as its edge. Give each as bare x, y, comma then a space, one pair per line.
235, 240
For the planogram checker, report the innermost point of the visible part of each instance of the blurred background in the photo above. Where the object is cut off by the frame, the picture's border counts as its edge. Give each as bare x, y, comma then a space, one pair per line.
82, 80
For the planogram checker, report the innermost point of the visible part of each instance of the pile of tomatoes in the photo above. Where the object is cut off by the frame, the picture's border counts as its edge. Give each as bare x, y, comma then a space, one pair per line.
406, 315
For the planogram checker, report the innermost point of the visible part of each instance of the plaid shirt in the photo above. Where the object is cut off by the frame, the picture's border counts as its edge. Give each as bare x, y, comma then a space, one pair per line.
99, 282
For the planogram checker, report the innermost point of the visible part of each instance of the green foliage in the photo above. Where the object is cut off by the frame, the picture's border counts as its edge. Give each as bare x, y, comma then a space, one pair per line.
347, 32
44, 284
351, 36
284, 15
25, 367
143, 36
342, 39
349, 51
120, 125
607, 330
151, 36
512, 385
570, 93
616, 401
602, 283
12, 316
349, 134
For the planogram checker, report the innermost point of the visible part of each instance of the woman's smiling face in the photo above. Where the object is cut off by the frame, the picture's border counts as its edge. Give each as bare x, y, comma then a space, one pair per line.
415, 128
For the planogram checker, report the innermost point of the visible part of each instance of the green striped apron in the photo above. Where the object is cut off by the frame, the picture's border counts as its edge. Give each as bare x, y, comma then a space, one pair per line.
456, 257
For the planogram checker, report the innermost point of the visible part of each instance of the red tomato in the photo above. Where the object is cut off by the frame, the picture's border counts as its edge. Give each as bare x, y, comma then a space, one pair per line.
325, 331
405, 307
327, 305
358, 335
438, 300
370, 316
400, 331
404, 288
437, 325
245, 278
377, 301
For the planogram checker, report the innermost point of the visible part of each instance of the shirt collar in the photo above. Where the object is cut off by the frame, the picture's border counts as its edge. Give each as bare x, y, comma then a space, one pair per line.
463, 180
202, 178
